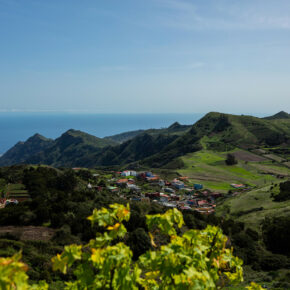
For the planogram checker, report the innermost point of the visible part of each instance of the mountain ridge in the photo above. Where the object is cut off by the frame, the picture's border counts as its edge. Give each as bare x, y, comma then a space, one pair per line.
279, 115
153, 147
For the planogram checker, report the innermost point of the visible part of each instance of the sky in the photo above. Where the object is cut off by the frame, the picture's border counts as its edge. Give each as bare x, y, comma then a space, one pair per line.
145, 56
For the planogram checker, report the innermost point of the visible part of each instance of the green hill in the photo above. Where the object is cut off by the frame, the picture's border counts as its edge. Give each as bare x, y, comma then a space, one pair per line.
123, 137
209, 168
69, 148
252, 207
130, 151
23, 150
278, 116
158, 148
175, 128
76, 148
223, 132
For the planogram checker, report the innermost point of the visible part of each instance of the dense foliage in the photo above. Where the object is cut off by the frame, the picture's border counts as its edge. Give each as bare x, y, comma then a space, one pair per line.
192, 260
231, 159
62, 201
155, 147
284, 193
277, 236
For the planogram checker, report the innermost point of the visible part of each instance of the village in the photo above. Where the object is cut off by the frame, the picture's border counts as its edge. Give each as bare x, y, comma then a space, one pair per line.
177, 193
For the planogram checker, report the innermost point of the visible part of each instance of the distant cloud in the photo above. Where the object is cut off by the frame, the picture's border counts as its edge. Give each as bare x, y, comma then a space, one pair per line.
182, 67
115, 68
225, 14
191, 66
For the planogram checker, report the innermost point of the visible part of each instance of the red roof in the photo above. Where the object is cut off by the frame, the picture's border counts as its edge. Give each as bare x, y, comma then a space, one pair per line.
201, 202
122, 180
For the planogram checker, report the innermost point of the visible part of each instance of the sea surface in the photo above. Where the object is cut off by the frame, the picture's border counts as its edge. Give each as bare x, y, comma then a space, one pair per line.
19, 126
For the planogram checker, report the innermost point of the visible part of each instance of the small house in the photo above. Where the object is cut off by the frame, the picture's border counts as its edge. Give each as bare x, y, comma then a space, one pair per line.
133, 187
122, 182
125, 173
152, 179
148, 174
178, 184
198, 186
161, 183
133, 173
113, 188
202, 202
169, 190
237, 186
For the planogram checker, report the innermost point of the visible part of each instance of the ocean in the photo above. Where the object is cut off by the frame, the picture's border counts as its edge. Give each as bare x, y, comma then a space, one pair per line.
19, 126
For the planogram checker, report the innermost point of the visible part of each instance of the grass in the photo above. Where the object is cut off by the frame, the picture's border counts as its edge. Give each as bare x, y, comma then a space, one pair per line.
208, 167
17, 190
252, 207
16, 186
271, 167
220, 186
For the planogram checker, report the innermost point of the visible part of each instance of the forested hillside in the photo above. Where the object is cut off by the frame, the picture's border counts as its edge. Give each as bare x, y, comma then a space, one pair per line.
60, 202
154, 147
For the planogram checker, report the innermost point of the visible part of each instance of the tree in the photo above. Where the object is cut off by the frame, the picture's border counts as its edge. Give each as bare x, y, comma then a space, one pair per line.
197, 259
284, 193
231, 159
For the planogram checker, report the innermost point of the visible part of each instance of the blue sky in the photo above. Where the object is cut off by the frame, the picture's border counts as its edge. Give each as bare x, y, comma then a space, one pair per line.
145, 56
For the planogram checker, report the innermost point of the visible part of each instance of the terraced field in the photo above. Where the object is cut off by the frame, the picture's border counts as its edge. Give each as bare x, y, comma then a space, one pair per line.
17, 191
209, 168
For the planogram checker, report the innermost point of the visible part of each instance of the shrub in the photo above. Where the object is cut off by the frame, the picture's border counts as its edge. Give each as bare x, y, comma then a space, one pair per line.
231, 159
198, 259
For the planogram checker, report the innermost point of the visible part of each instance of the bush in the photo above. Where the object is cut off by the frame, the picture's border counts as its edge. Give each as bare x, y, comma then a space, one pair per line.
275, 235
273, 262
284, 193
195, 260
139, 242
231, 159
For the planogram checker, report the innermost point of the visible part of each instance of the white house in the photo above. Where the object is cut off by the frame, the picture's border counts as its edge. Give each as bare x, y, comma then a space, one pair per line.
129, 173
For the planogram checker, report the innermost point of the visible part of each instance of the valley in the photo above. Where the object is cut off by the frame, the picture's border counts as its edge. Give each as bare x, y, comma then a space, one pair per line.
225, 170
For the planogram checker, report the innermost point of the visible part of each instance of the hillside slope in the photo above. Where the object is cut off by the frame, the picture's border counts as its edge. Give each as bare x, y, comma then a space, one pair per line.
68, 148
252, 207
222, 132
158, 147
130, 151
76, 148
175, 128
23, 150
278, 116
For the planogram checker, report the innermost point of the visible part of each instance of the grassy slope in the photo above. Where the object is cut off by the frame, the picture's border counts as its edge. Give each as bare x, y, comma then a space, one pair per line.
208, 168
175, 129
17, 190
253, 200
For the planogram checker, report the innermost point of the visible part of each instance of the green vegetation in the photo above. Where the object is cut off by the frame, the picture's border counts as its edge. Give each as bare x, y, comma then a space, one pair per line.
252, 207
231, 159
60, 202
154, 148
208, 167
60, 199
24, 150
284, 193
193, 260
175, 129
279, 116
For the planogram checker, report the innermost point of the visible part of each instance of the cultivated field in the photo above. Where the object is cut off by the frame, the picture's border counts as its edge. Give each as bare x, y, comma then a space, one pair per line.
209, 168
